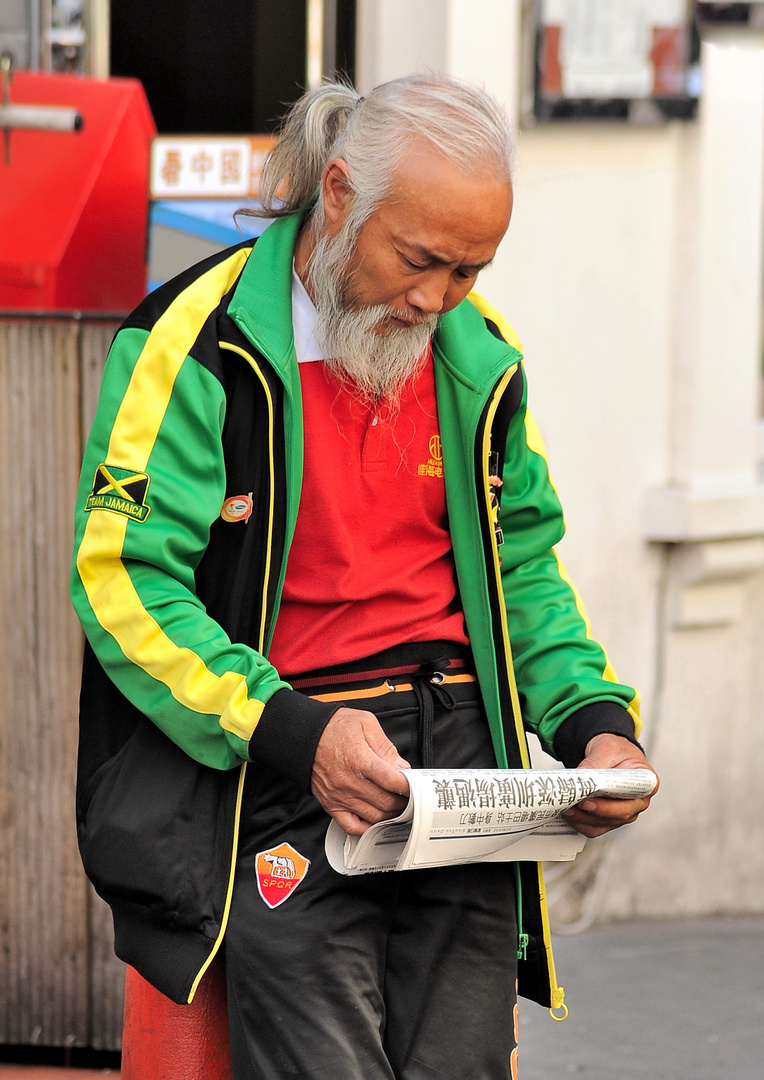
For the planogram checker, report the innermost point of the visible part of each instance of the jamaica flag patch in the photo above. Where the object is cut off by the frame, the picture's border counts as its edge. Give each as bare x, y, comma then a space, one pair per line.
120, 490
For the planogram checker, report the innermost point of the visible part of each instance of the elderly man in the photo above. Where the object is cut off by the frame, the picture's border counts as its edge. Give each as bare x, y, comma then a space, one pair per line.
314, 548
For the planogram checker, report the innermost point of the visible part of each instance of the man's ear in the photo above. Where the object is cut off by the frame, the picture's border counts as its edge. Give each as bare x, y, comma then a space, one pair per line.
336, 190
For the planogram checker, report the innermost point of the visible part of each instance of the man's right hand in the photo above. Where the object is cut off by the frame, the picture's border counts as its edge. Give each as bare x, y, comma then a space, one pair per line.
356, 774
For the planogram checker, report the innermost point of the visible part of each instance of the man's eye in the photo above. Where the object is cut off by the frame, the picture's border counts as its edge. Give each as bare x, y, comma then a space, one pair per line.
414, 265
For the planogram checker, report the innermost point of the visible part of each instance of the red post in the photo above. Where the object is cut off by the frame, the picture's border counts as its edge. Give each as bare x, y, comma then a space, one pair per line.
165, 1041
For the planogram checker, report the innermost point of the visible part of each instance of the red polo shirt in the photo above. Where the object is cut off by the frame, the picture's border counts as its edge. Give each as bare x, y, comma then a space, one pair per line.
370, 565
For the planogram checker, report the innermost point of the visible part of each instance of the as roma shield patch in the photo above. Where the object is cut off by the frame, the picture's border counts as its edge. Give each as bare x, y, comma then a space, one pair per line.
279, 871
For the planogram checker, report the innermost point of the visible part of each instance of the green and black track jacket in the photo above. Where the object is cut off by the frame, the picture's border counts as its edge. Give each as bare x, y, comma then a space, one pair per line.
200, 405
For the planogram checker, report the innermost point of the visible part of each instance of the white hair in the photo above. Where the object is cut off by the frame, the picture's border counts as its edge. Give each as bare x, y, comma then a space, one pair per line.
373, 133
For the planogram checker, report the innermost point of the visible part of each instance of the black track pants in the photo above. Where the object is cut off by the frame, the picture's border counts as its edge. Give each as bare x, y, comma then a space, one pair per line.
407, 975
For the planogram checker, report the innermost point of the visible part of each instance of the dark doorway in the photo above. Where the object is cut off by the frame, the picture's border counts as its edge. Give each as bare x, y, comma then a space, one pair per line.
230, 68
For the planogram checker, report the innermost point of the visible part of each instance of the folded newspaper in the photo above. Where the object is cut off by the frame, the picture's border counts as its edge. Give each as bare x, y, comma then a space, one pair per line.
482, 815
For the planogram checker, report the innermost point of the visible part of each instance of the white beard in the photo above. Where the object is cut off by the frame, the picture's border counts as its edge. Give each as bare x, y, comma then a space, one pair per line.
377, 364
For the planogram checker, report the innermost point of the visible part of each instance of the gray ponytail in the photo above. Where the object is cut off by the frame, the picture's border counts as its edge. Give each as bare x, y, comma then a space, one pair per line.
372, 135
294, 167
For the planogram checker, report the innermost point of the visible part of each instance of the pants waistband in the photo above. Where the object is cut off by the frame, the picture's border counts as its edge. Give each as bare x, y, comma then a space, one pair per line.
421, 659
436, 678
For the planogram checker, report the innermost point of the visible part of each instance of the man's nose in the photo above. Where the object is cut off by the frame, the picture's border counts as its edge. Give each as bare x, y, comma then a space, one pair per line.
429, 296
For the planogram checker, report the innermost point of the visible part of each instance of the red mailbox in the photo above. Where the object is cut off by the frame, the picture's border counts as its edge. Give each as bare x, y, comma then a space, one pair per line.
74, 205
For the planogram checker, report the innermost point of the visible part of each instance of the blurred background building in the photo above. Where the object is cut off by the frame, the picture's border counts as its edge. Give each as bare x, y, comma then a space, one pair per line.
632, 272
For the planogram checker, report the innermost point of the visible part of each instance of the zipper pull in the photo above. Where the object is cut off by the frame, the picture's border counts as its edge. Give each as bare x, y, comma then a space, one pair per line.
522, 946
558, 1002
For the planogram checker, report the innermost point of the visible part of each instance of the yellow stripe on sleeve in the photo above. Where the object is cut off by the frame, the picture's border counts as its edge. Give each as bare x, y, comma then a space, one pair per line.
109, 588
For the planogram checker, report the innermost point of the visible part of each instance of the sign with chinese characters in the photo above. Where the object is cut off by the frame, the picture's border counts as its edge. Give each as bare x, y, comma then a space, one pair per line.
211, 166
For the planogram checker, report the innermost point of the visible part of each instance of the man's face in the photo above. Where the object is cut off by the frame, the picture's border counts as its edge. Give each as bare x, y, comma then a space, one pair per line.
379, 290
421, 250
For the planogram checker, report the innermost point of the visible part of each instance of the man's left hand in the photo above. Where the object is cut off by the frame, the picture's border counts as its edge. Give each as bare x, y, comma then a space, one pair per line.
593, 817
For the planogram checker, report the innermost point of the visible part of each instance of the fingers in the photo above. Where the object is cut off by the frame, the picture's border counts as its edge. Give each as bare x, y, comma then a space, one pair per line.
356, 804
385, 754
350, 823
594, 817
356, 774
356, 821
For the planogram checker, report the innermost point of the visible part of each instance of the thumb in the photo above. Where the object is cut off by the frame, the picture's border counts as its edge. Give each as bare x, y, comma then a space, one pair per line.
385, 749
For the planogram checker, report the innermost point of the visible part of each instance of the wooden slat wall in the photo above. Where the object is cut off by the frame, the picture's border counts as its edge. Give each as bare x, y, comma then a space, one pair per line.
107, 974
58, 982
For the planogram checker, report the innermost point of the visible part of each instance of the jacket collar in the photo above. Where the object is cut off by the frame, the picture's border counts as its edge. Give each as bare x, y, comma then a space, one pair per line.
262, 301
468, 350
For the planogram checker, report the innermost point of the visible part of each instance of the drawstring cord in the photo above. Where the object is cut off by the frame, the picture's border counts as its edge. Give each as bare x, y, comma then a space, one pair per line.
428, 689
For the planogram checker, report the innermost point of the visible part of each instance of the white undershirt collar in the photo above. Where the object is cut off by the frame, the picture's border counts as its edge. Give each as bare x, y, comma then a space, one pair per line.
304, 324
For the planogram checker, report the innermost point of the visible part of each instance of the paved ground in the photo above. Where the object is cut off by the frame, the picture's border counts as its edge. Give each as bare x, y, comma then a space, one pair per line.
648, 1001
654, 1001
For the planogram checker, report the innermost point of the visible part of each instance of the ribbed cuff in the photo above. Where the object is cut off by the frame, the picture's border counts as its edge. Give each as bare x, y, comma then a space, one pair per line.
288, 733
599, 718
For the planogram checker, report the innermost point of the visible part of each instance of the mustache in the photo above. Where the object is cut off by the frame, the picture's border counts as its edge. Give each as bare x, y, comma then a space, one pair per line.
372, 316
417, 318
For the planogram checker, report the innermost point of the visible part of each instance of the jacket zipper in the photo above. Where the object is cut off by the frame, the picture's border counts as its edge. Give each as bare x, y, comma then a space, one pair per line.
261, 645
557, 993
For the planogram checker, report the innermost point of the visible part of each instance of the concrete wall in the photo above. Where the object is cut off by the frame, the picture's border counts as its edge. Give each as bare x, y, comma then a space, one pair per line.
632, 273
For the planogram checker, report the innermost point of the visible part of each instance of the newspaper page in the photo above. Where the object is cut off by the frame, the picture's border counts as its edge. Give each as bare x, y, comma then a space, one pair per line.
481, 815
